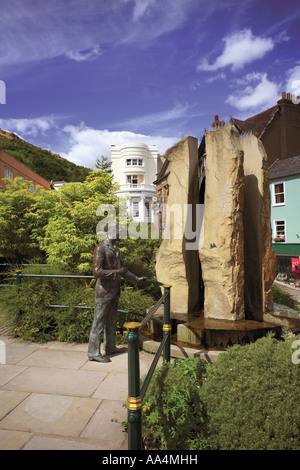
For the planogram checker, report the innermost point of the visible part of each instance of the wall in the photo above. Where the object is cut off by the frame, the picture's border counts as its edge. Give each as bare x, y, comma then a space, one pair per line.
120, 170
290, 212
281, 137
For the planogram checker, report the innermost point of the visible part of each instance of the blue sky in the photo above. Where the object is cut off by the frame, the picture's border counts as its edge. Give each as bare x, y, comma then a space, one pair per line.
81, 75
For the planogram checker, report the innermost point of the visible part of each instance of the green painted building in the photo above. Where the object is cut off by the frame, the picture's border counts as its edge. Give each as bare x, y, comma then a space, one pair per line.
284, 176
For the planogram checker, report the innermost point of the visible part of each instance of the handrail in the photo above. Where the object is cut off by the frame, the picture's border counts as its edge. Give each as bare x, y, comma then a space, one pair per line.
153, 310
135, 393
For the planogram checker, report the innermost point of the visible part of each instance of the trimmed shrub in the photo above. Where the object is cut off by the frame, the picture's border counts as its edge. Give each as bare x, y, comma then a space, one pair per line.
173, 414
252, 397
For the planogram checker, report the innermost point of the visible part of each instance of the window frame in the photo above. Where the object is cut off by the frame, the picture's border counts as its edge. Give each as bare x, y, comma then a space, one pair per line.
10, 170
276, 235
134, 162
130, 181
274, 194
135, 209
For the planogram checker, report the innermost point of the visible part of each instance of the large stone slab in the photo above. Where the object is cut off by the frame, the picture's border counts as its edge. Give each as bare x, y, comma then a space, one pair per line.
222, 249
260, 259
237, 260
175, 264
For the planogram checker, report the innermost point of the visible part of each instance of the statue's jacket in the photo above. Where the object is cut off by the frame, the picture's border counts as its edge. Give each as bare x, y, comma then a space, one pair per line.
107, 262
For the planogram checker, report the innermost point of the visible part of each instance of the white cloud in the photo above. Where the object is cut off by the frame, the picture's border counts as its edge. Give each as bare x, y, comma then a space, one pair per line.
87, 144
240, 48
28, 127
32, 30
86, 55
293, 80
262, 94
148, 121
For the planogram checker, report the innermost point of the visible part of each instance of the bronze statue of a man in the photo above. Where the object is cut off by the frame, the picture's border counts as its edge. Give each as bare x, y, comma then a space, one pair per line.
108, 269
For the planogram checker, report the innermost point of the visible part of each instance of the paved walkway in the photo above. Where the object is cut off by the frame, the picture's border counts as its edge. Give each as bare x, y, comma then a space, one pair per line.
293, 291
52, 397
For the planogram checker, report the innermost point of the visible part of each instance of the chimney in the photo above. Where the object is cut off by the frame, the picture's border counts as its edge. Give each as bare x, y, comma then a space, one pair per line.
284, 95
217, 124
288, 96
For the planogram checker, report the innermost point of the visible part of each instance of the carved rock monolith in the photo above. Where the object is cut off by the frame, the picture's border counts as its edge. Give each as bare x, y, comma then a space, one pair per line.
175, 264
222, 250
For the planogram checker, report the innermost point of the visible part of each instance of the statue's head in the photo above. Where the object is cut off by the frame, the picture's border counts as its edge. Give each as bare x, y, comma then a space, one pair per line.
115, 231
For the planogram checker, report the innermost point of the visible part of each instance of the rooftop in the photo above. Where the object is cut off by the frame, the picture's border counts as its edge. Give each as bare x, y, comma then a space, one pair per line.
255, 124
285, 167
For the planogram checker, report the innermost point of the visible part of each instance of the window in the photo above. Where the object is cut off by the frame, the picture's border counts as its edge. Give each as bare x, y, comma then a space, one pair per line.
134, 162
132, 180
279, 231
135, 209
147, 210
8, 173
278, 194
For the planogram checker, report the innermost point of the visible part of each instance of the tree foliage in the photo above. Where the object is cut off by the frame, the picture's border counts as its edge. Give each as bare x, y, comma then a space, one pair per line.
59, 227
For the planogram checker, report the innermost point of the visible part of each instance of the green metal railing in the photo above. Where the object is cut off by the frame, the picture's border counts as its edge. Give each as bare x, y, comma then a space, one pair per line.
135, 392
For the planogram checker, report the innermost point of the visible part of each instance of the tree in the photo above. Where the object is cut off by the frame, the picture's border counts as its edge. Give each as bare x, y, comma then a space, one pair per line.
70, 234
103, 164
18, 222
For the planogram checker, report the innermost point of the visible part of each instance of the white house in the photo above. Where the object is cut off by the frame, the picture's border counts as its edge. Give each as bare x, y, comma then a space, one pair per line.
134, 167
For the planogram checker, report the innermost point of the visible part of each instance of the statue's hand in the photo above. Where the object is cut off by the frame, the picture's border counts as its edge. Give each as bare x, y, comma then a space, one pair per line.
122, 270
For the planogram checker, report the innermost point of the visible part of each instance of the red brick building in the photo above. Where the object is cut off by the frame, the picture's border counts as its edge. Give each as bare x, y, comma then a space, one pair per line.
10, 167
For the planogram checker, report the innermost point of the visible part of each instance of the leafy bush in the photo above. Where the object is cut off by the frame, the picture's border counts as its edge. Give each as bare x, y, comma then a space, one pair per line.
248, 399
252, 397
27, 308
173, 414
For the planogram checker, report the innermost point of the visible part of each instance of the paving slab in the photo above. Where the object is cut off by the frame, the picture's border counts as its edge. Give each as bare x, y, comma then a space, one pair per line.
113, 387
8, 372
102, 426
9, 400
15, 354
13, 440
51, 414
42, 442
59, 359
55, 381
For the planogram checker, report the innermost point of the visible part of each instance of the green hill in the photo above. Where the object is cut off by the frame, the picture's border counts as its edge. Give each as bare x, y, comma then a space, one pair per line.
47, 164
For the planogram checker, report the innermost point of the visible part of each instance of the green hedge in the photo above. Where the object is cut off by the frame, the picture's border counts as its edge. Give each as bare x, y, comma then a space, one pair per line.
248, 399
30, 317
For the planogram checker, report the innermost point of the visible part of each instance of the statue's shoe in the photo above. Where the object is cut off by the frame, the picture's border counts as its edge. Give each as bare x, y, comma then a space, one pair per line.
114, 350
99, 358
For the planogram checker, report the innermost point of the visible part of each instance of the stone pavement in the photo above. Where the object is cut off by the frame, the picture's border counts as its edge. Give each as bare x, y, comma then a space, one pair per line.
293, 291
53, 398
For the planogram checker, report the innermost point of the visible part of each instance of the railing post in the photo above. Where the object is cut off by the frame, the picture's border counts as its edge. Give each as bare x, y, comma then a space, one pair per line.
19, 274
134, 400
167, 325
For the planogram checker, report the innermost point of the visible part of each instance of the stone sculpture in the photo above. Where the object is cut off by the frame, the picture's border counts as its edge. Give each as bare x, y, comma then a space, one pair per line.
108, 269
